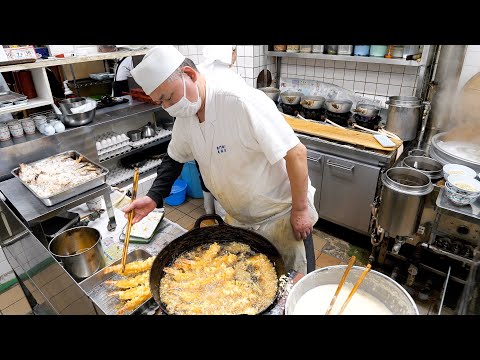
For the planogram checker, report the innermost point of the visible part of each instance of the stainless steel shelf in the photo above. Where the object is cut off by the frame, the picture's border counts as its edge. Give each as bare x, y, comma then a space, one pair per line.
365, 59
82, 83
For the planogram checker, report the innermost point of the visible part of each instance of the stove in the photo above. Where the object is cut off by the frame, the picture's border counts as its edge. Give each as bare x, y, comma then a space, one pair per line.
367, 121
291, 109
312, 114
339, 119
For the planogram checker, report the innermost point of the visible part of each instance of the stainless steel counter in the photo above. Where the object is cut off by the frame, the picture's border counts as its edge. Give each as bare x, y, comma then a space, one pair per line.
37, 146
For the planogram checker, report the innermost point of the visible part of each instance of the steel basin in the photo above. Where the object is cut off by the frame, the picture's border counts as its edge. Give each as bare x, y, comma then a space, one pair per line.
338, 106
376, 284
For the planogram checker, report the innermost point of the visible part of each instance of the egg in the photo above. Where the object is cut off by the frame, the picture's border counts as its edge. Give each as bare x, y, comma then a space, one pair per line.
98, 145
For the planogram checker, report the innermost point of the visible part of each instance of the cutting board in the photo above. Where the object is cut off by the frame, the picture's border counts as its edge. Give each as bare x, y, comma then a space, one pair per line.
333, 133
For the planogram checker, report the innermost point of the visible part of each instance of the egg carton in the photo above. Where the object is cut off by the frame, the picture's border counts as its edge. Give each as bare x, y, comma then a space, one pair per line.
121, 174
113, 153
110, 143
160, 134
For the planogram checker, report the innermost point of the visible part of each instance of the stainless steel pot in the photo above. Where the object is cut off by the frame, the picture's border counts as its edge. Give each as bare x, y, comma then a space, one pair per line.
367, 110
79, 250
312, 102
430, 167
403, 116
272, 93
291, 97
78, 119
402, 198
134, 135
67, 104
338, 106
148, 131
447, 152
376, 284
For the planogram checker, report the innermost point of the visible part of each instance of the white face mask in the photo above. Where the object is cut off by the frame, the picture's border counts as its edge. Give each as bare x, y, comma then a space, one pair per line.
184, 107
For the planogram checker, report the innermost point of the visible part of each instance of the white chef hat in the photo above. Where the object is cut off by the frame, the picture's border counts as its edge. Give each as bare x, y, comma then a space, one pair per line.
222, 53
157, 65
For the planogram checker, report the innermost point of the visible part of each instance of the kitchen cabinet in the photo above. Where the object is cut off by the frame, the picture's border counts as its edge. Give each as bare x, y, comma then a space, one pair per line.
347, 190
40, 79
315, 172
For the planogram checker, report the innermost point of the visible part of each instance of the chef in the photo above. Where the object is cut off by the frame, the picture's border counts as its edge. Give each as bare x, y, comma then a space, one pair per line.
249, 157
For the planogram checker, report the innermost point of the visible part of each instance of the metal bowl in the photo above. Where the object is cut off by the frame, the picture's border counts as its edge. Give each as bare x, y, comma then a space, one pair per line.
134, 135
338, 106
78, 119
430, 167
272, 93
291, 97
67, 104
312, 102
367, 110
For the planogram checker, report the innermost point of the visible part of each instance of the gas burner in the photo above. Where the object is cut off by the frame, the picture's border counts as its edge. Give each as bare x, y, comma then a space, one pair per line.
312, 114
339, 119
367, 121
291, 109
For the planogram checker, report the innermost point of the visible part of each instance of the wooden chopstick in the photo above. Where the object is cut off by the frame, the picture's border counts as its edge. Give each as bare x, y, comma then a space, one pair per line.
340, 285
359, 281
130, 219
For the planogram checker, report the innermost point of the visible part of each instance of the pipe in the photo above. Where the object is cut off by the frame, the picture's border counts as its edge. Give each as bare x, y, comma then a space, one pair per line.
447, 74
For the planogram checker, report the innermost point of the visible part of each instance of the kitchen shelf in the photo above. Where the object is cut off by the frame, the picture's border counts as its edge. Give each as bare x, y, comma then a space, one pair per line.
121, 176
32, 103
72, 60
159, 139
365, 59
81, 83
447, 253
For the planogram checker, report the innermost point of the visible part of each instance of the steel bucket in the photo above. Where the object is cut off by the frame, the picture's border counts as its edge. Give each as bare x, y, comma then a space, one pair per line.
403, 116
401, 204
79, 250
376, 284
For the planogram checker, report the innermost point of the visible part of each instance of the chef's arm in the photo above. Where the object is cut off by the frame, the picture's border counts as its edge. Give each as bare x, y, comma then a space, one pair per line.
167, 172
297, 170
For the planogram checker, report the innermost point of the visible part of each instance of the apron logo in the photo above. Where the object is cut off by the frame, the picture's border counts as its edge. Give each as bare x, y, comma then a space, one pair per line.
221, 149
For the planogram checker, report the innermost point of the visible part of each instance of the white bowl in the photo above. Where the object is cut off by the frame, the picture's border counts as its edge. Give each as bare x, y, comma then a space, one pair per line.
457, 169
458, 194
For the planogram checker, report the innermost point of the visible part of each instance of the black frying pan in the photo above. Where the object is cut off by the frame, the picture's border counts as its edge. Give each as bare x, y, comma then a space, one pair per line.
220, 234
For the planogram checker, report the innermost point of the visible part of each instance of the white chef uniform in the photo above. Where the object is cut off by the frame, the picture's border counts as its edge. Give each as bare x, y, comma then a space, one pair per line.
240, 154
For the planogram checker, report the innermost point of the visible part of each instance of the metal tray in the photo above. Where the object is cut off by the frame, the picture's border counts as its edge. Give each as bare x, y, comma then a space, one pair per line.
10, 96
67, 194
96, 288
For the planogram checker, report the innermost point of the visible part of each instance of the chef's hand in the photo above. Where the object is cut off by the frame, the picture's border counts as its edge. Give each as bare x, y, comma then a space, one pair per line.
301, 223
143, 206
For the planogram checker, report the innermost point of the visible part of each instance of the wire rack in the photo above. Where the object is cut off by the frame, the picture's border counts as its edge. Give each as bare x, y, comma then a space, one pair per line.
120, 174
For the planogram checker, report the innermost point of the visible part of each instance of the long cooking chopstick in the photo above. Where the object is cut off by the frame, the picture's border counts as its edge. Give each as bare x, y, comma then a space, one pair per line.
130, 219
340, 285
359, 281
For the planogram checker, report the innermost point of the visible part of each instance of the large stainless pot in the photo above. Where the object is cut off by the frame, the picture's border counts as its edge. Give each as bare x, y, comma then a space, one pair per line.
403, 116
312, 102
79, 250
402, 199
380, 286
455, 152
430, 167
338, 106
291, 97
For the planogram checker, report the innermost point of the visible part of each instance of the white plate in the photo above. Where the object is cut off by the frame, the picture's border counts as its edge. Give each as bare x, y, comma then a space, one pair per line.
145, 228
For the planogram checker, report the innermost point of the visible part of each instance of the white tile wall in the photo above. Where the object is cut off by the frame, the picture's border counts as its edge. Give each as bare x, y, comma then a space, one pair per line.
370, 80
471, 65
251, 60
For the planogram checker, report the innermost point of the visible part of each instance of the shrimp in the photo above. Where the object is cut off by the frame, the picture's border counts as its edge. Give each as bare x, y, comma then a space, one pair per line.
132, 293
133, 267
133, 303
130, 282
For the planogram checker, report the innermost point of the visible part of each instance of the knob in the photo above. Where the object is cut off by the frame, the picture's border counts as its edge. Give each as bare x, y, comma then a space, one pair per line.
462, 229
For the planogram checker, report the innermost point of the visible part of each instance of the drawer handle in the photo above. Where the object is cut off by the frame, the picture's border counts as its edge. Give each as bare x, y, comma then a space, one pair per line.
314, 159
349, 168
14, 238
